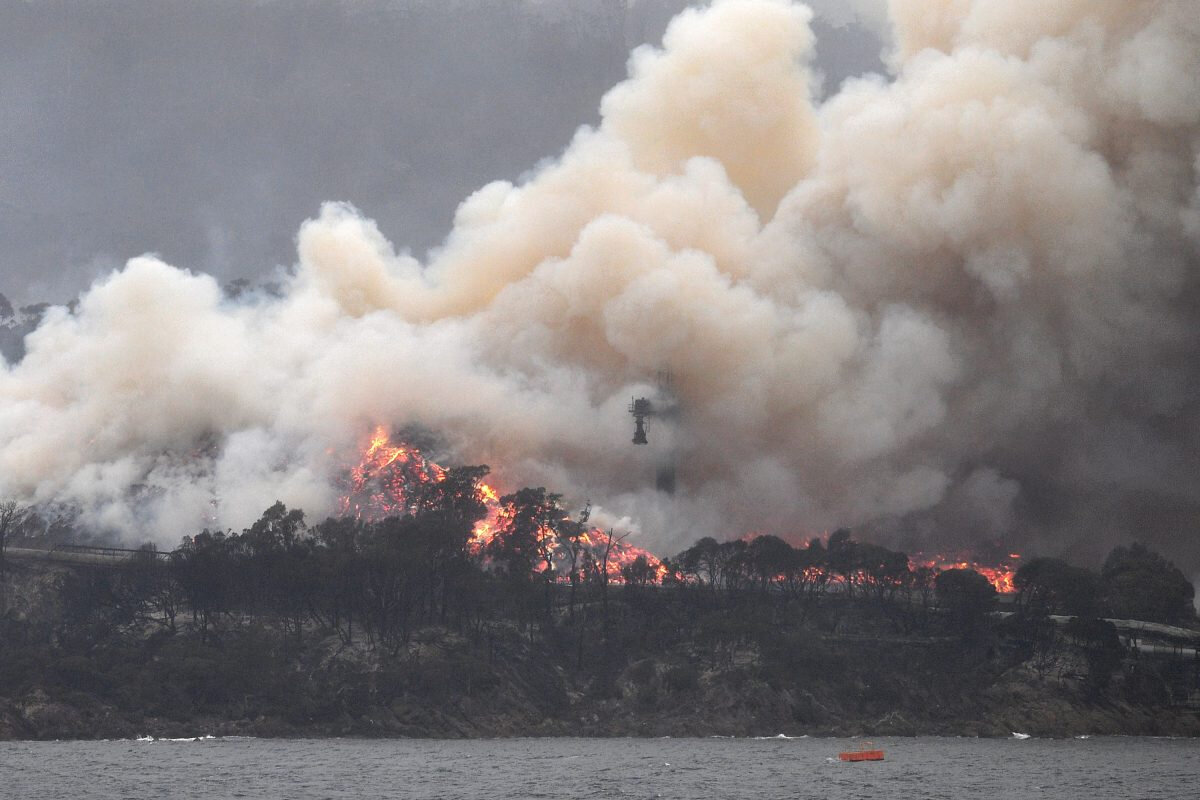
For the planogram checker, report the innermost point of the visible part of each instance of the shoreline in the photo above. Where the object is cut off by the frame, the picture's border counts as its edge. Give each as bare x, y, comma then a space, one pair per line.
1163, 725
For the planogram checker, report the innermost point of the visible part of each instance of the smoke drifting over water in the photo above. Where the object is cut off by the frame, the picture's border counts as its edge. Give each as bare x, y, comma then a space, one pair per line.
957, 304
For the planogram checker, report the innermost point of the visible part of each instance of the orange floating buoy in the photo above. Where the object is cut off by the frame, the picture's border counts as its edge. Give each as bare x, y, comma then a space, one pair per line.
862, 754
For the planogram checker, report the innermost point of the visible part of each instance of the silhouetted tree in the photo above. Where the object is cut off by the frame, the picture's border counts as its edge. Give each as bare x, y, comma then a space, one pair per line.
530, 517
882, 572
1139, 583
11, 516
145, 590
807, 575
702, 562
1102, 649
574, 539
967, 595
452, 507
394, 573
276, 559
1052, 586
842, 558
769, 559
600, 570
734, 565
638, 573
523, 543
919, 590
204, 569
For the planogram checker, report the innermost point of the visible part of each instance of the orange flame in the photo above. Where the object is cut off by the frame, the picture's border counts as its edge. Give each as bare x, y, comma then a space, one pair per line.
385, 483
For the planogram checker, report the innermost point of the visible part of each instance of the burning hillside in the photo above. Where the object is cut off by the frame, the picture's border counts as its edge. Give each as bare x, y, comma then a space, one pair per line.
393, 478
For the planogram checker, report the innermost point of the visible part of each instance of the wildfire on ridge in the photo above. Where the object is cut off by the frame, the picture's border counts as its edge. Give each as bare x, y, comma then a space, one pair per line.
386, 481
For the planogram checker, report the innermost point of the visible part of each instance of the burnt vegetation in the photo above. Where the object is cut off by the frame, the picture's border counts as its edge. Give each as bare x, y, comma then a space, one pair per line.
404, 626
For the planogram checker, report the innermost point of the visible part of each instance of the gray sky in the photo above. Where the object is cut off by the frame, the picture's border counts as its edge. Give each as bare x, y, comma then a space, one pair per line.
206, 132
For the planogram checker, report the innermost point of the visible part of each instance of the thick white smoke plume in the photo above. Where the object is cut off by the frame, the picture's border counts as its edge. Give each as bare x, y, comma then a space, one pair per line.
956, 303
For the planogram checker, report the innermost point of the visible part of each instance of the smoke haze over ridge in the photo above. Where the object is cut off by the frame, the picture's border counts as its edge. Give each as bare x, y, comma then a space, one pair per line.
953, 305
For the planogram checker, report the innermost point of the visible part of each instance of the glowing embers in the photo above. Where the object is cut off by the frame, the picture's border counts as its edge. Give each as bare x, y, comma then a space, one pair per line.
622, 557
999, 575
587, 552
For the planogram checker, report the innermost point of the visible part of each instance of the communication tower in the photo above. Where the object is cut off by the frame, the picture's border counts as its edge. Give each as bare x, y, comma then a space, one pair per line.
664, 407
640, 408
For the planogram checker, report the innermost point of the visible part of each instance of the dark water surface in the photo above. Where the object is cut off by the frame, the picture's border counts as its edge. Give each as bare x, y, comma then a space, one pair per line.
687, 769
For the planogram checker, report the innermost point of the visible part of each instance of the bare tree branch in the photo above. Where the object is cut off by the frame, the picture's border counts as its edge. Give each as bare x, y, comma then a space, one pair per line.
12, 514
